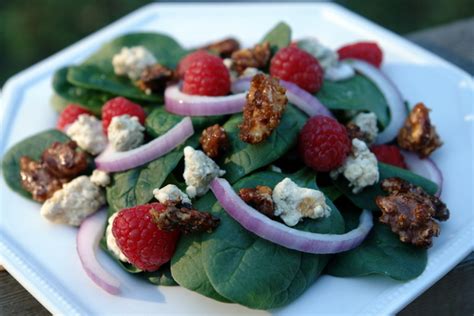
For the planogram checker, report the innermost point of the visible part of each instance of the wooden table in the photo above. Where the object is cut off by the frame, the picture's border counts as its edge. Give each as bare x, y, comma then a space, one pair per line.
452, 295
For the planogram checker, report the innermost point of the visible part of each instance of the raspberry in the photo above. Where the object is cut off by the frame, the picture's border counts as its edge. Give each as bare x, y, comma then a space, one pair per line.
139, 238
367, 51
188, 60
69, 115
295, 65
323, 143
120, 106
389, 154
207, 75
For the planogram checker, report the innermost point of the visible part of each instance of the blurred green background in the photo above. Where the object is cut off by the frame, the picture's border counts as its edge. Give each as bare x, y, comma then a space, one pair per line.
31, 30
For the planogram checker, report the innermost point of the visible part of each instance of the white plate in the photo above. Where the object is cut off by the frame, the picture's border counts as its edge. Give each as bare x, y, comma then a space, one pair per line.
42, 256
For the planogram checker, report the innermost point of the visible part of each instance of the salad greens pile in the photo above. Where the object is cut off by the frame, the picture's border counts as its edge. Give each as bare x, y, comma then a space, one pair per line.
232, 264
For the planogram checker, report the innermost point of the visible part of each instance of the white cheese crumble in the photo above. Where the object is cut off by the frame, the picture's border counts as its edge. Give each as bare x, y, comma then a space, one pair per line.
328, 59
111, 242
100, 178
367, 122
249, 72
293, 203
199, 171
74, 202
171, 193
125, 132
87, 132
132, 61
360, 167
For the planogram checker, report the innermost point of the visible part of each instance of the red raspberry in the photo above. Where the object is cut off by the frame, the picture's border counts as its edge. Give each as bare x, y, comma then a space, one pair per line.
140, 240
188, 60
295, 65
120, 106
367, 51
323, 143
389, 154
69, 115
207, 75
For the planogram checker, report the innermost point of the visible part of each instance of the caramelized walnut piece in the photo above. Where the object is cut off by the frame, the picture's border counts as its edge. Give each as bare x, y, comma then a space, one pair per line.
256, 57
223, 48
417, 134
354, 131
410, 212
214, 140
37, 179
259, 198
155, 78
266, 101
184, 219
63, 160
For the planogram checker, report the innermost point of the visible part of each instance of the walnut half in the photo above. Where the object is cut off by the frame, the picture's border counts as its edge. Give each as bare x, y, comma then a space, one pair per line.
256, 57
259, 198
410, 212
417, 134
184, 219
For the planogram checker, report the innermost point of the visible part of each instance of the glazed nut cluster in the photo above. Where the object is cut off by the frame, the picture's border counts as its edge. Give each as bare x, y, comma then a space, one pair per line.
155, 78
259, 198
184, 219
411, 212
214, 141
256, 57
223, 48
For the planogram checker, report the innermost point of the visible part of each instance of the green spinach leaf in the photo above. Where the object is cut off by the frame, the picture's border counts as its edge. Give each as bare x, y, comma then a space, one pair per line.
381, 253
278, 37
244, 158
357, 93
94, 78
366, 198
240, 265
32, 147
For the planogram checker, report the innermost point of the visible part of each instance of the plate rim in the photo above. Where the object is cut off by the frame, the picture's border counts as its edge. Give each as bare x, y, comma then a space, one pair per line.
12, 255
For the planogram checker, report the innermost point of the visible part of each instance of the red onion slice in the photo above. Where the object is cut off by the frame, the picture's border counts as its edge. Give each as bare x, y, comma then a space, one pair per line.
87, 243
394, 99
283, 235
305, 101
181, 103
113, 161
424, 167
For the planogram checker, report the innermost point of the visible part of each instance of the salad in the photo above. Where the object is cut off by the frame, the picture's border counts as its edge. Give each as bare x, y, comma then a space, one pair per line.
240, 173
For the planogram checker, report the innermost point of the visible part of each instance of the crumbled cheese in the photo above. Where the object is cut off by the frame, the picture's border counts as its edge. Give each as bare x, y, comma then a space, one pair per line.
228, 62
367, 122
125, 132
293, 203
100, 178
171, 193
87, 132
328, 59
199, 171
111, 242
249, 72
360, 168
275, 169
131, 61
74, 202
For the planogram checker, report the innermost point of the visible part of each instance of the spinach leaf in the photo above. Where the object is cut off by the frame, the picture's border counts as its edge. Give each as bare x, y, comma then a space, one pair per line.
241, 266
366, 198
357, 93
93, 77
278, 37
87, 98
244, 158
165, 49
32, 147
381, 253
161, 277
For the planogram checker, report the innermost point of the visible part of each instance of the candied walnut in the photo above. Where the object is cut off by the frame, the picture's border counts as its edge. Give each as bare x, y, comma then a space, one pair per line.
155, 78
417, 134
256, 57
259, 198
185, 219
38, 180
354, 131
214, 140
410, 212
266, 102
224, 48
63, 160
